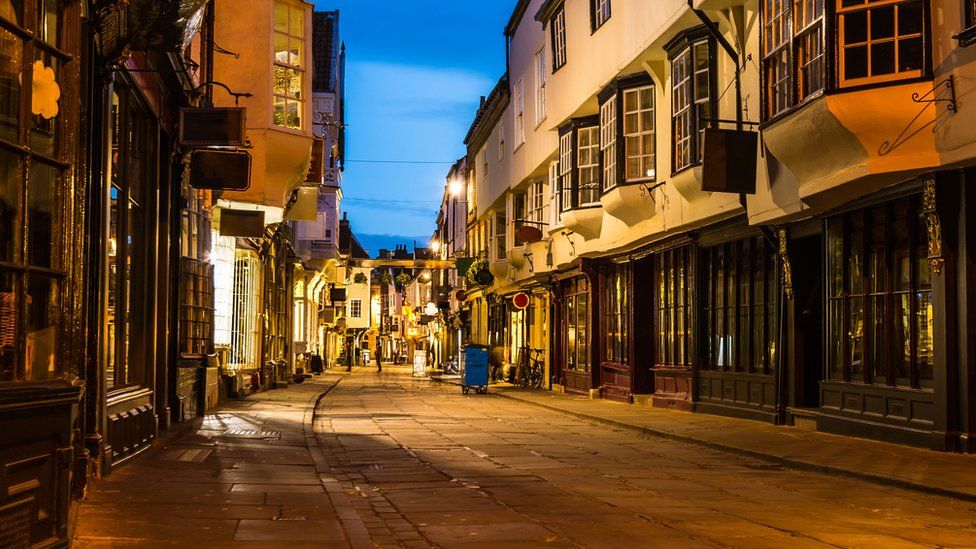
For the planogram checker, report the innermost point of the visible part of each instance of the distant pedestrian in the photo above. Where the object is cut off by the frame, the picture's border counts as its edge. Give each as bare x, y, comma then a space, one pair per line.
379, 360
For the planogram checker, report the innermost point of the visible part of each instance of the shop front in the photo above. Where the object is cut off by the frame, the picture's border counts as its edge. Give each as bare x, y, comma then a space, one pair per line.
573, 352
42, 271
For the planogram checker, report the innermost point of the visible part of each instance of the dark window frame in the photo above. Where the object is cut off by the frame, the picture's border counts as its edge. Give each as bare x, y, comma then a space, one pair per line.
741, 308
673, 307
558, 61
616, 310
616, 92
686, 42
595, 14
31, 267
569, 183
576, 298
850, 295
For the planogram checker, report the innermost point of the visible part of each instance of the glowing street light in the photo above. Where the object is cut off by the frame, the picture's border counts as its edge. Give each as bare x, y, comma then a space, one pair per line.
454, 187
435, 246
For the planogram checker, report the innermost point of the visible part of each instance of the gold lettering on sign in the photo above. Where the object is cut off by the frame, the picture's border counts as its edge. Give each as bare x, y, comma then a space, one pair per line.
933, 225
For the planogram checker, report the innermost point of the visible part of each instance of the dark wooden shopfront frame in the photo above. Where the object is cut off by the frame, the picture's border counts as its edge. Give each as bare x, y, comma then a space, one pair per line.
573, 380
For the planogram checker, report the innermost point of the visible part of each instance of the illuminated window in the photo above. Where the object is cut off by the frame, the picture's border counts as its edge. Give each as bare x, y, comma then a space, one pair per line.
616, 280
691, 97
740, 306
355, 308
289, 65
672, 308
879, 297
608, 141
638, 131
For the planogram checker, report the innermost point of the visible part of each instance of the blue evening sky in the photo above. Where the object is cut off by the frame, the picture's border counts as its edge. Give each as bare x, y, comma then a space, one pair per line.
415, 72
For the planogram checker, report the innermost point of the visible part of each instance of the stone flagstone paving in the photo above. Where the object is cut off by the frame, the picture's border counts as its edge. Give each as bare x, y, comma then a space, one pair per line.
392, 461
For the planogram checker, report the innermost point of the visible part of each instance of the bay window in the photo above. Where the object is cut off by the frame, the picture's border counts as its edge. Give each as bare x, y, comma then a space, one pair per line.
740, 306
554, 194
792, 53
537, 204
579, 163
880, 40
627, 131
608, 141
289, 65
879, 289
692, 95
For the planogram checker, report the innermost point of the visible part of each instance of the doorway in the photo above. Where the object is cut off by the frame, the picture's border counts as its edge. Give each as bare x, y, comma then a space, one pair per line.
806, 254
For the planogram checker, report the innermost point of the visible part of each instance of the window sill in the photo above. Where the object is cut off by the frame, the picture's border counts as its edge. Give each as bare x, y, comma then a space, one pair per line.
967, 37
634, 183
696, 164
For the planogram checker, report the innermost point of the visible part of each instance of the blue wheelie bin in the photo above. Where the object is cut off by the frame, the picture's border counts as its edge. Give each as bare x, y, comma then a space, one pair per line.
475, 369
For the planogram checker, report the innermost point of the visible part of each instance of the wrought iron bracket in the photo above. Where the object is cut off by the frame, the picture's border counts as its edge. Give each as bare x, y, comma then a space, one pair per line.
572, 244
932, 96
943, 92
528, 259
933, 225
646, 189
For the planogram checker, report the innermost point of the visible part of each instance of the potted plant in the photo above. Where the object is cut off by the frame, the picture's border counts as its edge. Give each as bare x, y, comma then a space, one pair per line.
479, 274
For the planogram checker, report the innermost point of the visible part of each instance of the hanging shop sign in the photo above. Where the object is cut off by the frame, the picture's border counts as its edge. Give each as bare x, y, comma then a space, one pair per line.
460, 295
520, 301
317, 167
213, 127
729, 161
220, 170
337, 294
241, 223
528, 234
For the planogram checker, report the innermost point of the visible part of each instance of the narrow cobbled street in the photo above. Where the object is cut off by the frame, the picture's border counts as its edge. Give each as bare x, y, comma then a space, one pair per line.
400, 462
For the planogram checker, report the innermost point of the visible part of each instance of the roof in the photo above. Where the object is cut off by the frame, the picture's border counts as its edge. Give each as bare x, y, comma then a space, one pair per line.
325, 48
488, 113
348, 243
516, 19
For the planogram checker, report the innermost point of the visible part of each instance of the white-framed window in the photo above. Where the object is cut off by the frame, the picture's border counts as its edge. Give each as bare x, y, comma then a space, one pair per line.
537, 202
554, 194
289, 65
355, 308
557, 26
608, 141
498, 236
541, 74
566, 171
599, 12
501, 140
639, 133
518, 213
588, 165
484, 165
519, 114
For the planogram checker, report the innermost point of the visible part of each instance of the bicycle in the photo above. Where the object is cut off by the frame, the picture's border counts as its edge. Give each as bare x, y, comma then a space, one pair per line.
530, 372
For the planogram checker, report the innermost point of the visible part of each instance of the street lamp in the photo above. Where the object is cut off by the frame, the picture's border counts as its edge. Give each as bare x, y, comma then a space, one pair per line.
435, 246
454, 187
